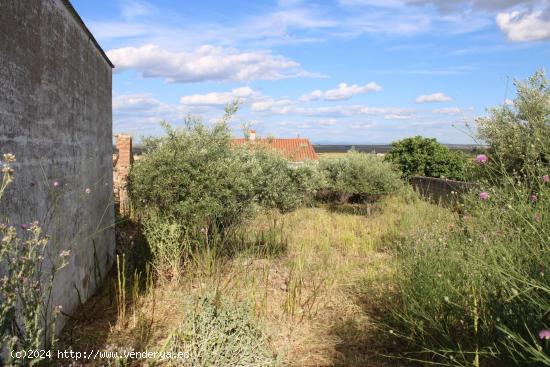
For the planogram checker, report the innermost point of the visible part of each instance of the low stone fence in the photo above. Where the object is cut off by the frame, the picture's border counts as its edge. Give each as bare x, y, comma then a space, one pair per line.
440, 190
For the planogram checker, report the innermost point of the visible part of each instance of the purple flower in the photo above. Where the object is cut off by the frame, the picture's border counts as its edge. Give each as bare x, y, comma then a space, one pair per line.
544, 334
481, 158
533, 198
484, 195
25, 226
546, 178
55, 184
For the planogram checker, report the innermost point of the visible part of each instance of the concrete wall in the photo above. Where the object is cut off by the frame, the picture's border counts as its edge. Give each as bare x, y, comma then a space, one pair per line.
56, 117
440, 190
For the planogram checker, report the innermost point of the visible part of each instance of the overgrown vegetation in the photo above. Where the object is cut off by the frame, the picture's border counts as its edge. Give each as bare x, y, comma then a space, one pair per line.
478, 293
27, 316
218, 333
519, 135
419, 156
359, 175
298, 279
192, 188
337, 284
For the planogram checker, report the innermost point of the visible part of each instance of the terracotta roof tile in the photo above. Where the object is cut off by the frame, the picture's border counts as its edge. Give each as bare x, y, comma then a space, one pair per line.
296, 150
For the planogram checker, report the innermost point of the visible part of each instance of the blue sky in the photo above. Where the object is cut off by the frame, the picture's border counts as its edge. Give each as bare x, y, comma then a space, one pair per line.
342, 71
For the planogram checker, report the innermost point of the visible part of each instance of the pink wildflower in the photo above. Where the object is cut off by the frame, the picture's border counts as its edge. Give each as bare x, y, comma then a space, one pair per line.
25, 226
546, 178
484, 195
544, 334
55, 184
481, 158
88, 190
534, 198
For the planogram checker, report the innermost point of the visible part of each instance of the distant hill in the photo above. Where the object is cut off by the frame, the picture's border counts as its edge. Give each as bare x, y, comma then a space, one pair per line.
367, 148
382, 148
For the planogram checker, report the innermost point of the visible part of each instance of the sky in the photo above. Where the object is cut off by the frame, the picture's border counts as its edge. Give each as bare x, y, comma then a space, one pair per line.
342, 71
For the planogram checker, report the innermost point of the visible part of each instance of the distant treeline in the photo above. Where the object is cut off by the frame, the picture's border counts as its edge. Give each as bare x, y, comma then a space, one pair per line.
367, 148
384, 148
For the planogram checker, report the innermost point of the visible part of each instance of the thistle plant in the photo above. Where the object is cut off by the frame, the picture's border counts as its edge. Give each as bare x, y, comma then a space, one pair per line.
27, 317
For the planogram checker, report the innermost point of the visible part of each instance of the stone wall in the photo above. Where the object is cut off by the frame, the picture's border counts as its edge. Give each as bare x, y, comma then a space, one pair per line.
56, 117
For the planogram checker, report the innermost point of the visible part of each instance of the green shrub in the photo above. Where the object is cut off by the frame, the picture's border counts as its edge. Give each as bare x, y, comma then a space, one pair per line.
358, 174
479, 293
192, 178
192, 186
218, 333
279, 184
420, 156
519, 135
465, 293
167, 242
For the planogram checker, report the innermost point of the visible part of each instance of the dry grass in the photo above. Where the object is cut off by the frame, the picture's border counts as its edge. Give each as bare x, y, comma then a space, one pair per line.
315, 301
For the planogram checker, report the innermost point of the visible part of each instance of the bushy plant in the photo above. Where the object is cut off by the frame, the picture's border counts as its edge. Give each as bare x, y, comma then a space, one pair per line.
479, 294
519, 135
419, 156
27, 320
167, 242
359, 174
279, 184
219, 333
192, 178
470, 296
192, 186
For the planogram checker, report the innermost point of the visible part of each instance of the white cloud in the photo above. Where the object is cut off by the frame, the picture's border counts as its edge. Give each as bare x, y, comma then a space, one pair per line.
205, 63
524, 26
141, 113
328, 122
447, 111
362, 125
135, 8
135, 102
291, 107
274, 106
394, 116
433, 98
344, 91
219, 98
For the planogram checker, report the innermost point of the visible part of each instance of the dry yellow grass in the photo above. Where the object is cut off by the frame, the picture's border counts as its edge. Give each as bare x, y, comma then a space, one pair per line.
312, 300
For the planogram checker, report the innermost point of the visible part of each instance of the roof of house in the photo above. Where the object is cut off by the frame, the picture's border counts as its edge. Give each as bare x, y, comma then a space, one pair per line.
296, 150
79, 20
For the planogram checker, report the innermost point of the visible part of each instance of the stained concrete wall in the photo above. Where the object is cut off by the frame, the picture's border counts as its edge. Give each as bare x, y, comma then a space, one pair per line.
56, 117
441, 190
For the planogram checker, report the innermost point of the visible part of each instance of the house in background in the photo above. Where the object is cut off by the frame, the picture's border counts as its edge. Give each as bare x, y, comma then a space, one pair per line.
296, 150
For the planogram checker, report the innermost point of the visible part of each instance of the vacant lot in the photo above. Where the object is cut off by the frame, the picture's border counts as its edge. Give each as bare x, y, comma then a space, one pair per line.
313, 279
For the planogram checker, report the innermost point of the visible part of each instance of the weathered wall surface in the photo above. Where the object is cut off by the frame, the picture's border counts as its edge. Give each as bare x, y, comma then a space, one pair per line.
56, 117
440, 190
